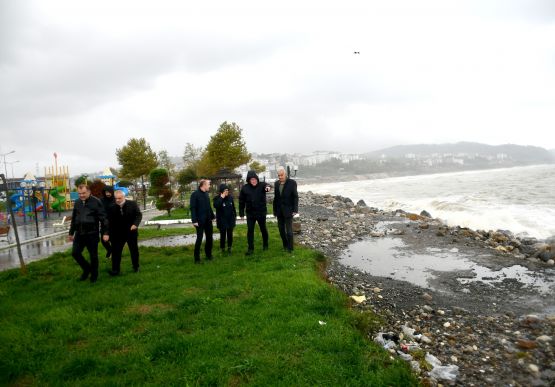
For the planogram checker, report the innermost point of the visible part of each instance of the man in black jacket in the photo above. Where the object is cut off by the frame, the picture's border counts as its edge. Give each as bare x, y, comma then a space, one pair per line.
88, 214
124, 218
253, 198
107, 200
201, 217
286, 205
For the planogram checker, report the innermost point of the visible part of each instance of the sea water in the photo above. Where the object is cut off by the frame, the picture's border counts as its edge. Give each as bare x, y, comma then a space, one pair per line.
519, 199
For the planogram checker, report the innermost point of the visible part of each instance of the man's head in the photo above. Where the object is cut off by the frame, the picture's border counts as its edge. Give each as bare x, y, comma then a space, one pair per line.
204, 185
252, 178
83, 191
282, 176
119, 197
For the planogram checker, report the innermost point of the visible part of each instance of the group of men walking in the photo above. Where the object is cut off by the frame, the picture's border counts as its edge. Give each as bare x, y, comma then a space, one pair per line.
114, 218
252, 202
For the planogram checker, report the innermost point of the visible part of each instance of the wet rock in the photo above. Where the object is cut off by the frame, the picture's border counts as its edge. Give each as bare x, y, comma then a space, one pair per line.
425, 213
526, 344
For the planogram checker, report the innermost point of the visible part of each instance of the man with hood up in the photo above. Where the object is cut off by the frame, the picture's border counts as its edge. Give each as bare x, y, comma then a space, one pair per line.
253, 198
225, 216
108, 201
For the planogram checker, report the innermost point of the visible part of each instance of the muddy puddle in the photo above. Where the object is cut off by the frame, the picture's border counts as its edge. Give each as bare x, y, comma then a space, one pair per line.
172, 241
390, 257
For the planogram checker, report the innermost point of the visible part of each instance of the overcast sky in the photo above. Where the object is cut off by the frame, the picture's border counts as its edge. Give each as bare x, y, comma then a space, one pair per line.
81, 78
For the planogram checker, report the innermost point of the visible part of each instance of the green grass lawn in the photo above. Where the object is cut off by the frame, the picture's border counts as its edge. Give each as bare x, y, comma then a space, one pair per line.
234, 321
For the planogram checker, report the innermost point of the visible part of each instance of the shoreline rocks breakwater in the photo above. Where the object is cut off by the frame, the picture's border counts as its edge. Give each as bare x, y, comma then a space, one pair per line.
471, 335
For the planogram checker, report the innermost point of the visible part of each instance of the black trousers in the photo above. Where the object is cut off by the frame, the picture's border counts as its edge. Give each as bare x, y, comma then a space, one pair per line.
89, 241
285, 226
207, 230
118, 242
251, 221
107, 246
226, 233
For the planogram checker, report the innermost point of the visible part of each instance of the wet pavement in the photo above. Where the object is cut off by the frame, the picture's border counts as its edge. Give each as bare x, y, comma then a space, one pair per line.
52, 239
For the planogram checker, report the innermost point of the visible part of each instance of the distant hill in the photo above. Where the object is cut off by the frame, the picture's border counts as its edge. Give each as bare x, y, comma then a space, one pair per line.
517, 153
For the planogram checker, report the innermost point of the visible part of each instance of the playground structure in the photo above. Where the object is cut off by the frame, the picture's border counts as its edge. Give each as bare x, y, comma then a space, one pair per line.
39, 196
57, 180
36, 197
30, 197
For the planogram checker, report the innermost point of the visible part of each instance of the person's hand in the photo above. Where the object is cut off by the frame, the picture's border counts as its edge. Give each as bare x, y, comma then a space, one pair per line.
267, 188
70, 238
105, 238
133, 227
242, 217
195, 224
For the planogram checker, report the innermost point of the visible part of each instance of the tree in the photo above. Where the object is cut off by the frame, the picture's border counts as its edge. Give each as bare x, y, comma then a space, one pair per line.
257, 167
191, 154
185, 177
159, 188
137, 159
164, 161
226, 149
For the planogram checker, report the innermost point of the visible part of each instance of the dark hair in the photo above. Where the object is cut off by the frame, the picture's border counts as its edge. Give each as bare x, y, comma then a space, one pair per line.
86, 186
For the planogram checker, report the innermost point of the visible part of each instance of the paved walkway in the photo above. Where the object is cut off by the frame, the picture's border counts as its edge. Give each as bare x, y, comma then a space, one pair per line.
51, 239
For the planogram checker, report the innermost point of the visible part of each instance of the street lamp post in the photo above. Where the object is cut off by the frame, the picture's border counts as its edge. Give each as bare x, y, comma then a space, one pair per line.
32, 200
5, 169
14, 224
12, 163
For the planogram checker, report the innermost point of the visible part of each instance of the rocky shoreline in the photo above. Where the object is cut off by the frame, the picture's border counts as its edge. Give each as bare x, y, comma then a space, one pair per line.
470, 334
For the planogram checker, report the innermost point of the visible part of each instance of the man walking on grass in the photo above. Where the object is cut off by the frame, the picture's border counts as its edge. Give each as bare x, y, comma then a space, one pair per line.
253, 198
286, 205
88, 219
201, 217
124, 217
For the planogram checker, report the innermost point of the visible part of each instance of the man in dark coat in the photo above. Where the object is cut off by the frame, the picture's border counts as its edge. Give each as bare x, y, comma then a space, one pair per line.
107, 200
201, 217
253, 198
124, 217
286, 205
225, 216
88, 220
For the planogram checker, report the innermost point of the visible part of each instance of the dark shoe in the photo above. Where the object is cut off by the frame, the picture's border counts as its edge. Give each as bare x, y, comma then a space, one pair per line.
93, 280
197, 261
249, 252
113, 273
136, 269
265, 248
108, 254
229, 251
209, 258
84, 276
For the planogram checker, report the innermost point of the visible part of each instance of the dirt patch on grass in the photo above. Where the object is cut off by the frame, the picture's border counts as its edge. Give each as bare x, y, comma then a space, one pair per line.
148, 309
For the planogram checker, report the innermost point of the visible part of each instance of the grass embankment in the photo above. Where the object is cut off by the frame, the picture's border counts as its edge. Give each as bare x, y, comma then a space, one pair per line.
237, 320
